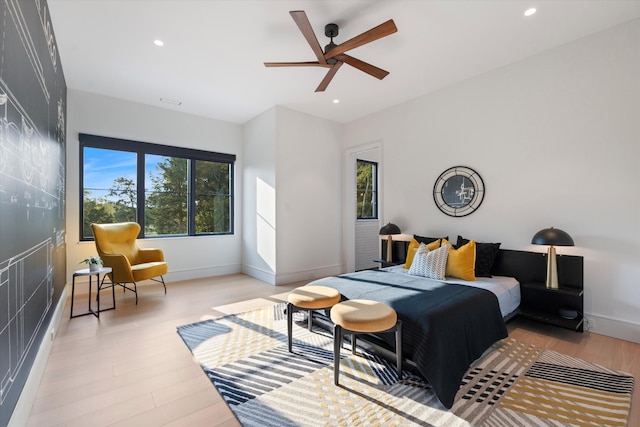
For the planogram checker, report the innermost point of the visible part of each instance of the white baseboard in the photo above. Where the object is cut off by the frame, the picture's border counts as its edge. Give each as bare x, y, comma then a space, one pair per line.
199, 273
28, 395
309, 275
265, 276
297, 276
615, 328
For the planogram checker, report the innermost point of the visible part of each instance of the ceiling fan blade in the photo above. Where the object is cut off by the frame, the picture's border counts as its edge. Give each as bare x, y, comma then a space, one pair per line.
382, 30
296, 64
327, 79
303, 23
372, 70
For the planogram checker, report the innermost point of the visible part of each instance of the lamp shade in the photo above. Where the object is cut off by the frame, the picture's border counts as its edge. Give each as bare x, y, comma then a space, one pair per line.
389, 228
552, 237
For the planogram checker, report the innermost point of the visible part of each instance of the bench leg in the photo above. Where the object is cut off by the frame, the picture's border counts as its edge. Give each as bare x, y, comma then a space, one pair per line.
337, 345
399, 349
290, 324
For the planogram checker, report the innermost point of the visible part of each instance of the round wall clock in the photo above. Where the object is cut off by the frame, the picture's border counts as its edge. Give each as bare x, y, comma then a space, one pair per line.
458, 191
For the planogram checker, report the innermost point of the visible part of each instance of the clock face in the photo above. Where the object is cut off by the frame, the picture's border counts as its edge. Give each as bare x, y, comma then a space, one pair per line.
458, 191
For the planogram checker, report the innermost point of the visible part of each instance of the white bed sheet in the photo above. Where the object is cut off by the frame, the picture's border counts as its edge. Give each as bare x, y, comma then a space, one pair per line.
507, 289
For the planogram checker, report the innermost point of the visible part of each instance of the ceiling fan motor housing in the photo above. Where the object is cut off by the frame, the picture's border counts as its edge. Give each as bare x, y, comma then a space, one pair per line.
331, 30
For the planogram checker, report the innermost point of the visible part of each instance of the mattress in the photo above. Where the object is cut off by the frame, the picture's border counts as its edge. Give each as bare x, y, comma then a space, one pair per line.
506, 289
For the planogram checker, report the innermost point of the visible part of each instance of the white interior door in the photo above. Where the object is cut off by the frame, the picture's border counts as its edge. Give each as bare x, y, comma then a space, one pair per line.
362, 239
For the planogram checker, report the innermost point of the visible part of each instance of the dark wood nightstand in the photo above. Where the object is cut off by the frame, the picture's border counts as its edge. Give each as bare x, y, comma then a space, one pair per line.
384, 263
543, 305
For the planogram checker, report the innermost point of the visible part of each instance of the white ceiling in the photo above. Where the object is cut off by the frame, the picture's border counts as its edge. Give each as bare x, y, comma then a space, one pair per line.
212, 60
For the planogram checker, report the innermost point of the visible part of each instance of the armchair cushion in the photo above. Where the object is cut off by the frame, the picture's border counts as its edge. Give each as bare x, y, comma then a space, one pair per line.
148, 270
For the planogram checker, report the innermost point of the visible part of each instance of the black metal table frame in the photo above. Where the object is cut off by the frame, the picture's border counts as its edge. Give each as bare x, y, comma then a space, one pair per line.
100, 285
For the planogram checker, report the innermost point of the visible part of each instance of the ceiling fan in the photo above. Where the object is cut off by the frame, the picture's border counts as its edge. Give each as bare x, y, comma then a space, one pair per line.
334, 55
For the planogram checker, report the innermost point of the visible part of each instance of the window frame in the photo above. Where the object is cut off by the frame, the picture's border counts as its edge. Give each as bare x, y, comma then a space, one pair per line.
142, 149
376, 213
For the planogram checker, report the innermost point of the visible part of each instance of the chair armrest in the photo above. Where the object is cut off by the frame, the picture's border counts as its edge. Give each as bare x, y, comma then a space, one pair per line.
120, 266
150, 255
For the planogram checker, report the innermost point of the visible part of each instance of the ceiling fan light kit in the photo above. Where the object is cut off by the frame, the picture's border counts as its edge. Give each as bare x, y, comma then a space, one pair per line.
334, 55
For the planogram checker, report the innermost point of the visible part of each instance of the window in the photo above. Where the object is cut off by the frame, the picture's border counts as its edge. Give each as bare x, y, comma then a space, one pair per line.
367, 189
169, 191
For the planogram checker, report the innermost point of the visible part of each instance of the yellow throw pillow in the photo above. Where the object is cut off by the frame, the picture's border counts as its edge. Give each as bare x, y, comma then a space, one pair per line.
413, 248
461, 262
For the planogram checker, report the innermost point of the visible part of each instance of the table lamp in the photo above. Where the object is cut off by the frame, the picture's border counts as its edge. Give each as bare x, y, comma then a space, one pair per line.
552, 237
388, 230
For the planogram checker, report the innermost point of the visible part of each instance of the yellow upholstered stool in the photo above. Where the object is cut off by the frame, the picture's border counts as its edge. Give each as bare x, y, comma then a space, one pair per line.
309, 298
363, 316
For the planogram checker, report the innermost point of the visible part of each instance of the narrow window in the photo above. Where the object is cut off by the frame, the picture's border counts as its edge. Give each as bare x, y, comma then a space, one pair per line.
110, 189
166, 196
367, 189
212, 197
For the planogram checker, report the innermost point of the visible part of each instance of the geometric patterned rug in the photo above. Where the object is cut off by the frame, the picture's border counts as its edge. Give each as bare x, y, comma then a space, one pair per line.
515, 384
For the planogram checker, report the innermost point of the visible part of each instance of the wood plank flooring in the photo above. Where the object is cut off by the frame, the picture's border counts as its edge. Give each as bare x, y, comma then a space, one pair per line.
130, 367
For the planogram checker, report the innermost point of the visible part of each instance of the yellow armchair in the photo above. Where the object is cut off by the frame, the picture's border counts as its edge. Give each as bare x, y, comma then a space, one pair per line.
116, 245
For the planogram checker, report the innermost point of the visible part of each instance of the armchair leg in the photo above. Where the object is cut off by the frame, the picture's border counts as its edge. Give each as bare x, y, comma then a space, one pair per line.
125, 288
135, 290
165, 286
161, 281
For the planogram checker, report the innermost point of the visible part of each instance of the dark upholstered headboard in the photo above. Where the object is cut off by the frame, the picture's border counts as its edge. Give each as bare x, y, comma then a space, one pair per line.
526, 267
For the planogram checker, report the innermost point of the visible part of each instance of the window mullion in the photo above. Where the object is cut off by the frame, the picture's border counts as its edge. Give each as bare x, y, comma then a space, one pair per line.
191, 191
141, 196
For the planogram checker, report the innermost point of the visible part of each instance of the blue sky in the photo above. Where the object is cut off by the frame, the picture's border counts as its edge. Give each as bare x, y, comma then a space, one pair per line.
102, 167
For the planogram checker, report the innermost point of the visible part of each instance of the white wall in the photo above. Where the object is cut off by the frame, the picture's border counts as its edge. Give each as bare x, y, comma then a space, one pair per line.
188, 257
309, 197
259, 197
555, 138
293, 196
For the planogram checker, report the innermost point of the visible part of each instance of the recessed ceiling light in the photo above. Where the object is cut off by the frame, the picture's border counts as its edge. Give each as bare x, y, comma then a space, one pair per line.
530, 11
336, 101
158, 42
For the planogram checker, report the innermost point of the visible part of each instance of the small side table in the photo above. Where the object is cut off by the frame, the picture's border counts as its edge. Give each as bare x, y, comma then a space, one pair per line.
86, 272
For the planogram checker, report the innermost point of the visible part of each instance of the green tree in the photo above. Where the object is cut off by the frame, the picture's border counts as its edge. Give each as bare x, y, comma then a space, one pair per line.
124, 199
96, 210
166, 203
213, 190
365, 189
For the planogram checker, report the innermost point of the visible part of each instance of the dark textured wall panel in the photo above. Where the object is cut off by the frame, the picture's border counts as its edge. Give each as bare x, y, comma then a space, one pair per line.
32, 189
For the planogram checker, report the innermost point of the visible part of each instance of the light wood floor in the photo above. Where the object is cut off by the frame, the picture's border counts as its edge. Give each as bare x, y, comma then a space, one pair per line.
130, 368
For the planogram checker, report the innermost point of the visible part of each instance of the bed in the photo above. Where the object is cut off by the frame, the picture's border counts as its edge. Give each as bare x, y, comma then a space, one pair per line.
448, 324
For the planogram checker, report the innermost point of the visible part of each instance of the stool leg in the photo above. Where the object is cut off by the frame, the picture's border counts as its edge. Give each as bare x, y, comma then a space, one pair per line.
353, 343
310, 319
337, 345
289, 324
399, 349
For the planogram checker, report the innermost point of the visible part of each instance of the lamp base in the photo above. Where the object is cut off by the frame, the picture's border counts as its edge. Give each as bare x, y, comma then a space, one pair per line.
552, 269
389, 248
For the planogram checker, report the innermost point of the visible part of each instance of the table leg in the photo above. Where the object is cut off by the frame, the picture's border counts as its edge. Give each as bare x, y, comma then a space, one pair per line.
98, 293
73, 288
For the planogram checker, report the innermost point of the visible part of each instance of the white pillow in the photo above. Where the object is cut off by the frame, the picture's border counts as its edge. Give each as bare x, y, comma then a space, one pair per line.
431, 264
